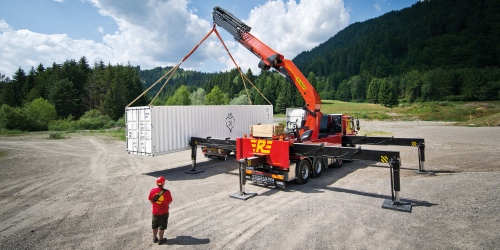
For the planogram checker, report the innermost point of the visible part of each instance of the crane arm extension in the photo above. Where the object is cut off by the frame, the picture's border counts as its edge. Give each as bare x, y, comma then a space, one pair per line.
272, 59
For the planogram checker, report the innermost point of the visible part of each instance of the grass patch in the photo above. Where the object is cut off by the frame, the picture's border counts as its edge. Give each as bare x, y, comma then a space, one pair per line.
375, 133
3, 153
117, 134
462, 112
339, 107
11, 132
485, 121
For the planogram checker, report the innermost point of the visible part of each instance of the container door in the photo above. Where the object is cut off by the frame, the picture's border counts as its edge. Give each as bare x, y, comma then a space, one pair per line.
145, 132
132, 132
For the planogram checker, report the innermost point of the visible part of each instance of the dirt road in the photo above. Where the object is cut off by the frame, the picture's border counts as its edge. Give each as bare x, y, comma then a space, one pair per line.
86, 192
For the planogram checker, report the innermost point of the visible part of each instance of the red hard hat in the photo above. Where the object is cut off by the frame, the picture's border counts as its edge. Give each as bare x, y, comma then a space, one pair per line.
160, 181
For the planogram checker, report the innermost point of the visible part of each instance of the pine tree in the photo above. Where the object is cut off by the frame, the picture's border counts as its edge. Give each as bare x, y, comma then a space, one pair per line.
373, 90
387, 94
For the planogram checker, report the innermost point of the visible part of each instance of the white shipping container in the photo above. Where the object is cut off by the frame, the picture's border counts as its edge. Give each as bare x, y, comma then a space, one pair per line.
165, 129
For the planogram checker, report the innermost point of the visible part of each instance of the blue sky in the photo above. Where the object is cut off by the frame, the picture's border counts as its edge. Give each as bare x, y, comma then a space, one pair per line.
154, 33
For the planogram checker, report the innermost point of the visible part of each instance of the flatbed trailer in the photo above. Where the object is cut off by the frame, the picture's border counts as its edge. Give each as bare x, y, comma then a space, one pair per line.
275, 162
281, 160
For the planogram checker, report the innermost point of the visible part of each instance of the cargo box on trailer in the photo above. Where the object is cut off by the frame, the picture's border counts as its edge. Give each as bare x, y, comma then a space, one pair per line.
164, 129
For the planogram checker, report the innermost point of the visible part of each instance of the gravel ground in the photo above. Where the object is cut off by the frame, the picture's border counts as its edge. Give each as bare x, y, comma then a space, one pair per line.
86, 192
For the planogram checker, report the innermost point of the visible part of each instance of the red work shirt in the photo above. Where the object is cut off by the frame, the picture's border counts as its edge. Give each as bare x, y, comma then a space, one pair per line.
161, 205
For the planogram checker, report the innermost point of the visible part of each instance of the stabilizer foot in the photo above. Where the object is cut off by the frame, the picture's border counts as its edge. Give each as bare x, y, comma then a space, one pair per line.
243, 196
424, 172
398, 206
194, 171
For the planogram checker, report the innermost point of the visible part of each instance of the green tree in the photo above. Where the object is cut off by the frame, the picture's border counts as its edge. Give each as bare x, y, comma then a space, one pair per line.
94, 119
12, 92
373, 90
437, 83
180, 97
242, 99
39, 113
411, 83
13, 118
197, 97
94, 90
281, 104
64, 98
311, 77
286, 98
387, 95
260, 83
344, 91
124, 87
216, 97
250, 76
357, 88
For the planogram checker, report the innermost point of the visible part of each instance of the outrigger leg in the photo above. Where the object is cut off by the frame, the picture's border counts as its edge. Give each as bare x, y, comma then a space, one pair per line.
421, 160
193, 159
242, 195
395, 203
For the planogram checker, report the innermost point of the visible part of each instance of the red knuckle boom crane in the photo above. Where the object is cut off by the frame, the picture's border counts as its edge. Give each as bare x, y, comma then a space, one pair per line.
320, 141
272, 59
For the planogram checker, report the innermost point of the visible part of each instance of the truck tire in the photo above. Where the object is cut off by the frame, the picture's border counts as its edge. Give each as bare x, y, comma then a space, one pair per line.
318, 167
303, 171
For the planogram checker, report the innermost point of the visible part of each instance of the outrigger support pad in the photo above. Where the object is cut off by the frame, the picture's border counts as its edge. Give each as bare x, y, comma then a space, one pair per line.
193, 159
395, 203
242, 195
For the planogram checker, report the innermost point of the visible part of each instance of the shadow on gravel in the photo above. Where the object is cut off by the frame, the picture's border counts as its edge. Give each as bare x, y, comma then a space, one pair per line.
187, 240
209, 168
322, 184
415, 203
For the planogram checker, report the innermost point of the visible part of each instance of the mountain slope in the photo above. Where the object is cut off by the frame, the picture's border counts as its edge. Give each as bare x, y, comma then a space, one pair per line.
428, 35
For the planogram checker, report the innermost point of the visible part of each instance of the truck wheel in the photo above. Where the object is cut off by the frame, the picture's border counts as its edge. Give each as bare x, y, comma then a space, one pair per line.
317, 168
338, 163
303, 171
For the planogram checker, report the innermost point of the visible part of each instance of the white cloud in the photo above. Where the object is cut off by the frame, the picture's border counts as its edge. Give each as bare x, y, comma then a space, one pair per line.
155, 33
25, 49
160, 33
378, 5
290, 28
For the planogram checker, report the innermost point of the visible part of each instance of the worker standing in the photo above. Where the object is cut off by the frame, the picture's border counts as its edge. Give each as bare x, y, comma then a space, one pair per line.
160, 199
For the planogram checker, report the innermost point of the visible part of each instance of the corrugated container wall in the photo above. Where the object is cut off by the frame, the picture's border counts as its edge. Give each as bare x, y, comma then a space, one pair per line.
164, 129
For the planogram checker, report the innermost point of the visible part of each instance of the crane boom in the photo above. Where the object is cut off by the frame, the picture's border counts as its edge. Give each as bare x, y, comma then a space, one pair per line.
272, 59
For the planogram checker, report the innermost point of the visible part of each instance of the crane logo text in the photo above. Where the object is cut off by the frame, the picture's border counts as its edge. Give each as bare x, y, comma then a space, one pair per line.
261, 146
300, 83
